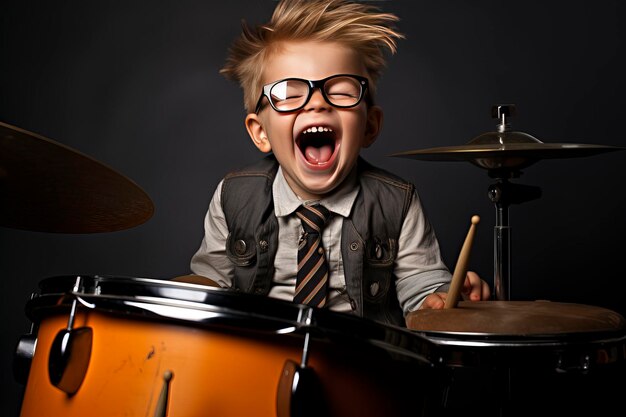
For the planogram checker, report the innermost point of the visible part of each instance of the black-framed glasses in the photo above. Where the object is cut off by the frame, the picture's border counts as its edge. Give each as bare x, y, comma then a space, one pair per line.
291, 94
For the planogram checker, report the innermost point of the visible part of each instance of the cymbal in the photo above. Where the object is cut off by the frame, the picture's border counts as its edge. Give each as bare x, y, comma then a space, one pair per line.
506, 149
49, 187
506, 154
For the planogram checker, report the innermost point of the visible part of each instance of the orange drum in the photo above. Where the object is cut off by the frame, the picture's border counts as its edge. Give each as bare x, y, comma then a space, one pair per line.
115, 346
526, 357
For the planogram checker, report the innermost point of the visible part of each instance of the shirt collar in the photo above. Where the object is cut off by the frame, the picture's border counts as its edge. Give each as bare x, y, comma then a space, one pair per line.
339, 202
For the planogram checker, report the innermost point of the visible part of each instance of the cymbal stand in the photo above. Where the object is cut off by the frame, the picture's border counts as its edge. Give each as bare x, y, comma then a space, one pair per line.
504, 152
504, 193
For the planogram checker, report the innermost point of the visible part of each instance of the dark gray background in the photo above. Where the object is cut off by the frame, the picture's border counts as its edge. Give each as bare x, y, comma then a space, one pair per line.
135, 85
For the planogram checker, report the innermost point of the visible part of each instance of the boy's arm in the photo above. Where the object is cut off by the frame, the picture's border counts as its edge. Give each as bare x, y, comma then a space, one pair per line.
210, 260
419, 268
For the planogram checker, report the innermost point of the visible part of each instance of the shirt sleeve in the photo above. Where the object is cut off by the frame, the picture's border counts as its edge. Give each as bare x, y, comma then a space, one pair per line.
211, 260
419, 268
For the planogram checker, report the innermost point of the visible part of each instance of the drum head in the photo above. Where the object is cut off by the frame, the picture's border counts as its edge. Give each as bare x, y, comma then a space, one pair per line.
515, 318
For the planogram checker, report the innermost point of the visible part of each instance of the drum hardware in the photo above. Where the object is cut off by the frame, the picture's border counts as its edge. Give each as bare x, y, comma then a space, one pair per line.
70, 352
503, 194
24, 352
503, 154
48, 187
23, 356
298, 393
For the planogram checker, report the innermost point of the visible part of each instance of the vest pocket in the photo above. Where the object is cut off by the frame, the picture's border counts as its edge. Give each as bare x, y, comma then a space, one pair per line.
381, 252
241, 252
380, 255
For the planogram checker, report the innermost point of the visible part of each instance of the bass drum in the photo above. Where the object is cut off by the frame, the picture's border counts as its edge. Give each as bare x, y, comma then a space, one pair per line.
120, 346
520, 358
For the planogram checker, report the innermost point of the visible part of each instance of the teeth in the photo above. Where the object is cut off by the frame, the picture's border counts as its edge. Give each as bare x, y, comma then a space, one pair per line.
316, 129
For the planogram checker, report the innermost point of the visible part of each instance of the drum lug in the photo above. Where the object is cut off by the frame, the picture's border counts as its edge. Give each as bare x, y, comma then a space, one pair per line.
25, 352
299, 392
580, 364
23, 357
69, 358
70, 351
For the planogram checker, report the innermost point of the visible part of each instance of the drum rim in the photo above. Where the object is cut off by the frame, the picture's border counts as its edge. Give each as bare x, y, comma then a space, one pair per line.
511, 339
299, 319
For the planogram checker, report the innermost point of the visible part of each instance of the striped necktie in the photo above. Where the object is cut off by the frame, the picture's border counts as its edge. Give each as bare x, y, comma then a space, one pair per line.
312, 279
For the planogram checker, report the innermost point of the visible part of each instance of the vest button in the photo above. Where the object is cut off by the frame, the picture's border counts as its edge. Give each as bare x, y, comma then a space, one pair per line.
352, 304
240, 247
374, 287
354, 246
263, 245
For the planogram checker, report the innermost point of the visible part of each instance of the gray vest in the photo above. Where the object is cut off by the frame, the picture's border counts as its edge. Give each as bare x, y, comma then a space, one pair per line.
369, 238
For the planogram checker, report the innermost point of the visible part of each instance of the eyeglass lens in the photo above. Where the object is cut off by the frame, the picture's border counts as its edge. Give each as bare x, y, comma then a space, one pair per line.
339, 91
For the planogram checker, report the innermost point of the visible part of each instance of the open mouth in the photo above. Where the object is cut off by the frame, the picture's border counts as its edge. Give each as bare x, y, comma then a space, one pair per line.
317, 144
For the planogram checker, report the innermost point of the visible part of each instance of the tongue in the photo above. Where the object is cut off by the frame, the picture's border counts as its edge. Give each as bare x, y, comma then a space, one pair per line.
318, 155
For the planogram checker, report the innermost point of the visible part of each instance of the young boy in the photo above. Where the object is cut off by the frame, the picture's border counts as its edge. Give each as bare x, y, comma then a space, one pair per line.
309, 79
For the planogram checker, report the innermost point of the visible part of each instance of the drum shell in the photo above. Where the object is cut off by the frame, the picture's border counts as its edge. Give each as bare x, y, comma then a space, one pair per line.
504, 390
218, 370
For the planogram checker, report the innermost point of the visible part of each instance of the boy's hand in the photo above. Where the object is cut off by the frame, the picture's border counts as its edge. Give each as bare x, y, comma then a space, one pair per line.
474, 289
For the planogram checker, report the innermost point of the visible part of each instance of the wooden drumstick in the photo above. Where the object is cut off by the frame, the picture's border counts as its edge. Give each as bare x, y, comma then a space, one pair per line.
461, 267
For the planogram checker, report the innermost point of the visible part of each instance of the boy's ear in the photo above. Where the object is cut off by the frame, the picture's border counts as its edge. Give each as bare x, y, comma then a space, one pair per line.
257, 133
374, 124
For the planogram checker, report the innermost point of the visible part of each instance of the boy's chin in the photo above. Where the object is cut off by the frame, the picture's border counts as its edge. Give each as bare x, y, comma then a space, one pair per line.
317, 189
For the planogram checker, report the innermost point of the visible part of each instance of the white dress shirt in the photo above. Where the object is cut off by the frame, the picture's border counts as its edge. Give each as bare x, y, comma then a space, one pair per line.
419, 269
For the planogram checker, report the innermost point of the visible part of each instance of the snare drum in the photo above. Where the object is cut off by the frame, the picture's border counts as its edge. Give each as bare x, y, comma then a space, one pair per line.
118, 346
520, 357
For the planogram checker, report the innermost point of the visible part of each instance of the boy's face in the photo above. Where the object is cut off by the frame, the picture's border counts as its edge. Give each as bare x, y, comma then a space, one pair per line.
314, 163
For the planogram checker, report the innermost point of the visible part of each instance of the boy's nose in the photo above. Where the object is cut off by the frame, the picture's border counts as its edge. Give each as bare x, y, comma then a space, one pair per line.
316, 101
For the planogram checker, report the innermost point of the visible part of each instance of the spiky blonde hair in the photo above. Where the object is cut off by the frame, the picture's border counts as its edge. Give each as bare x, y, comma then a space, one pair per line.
359, 26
